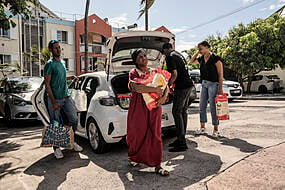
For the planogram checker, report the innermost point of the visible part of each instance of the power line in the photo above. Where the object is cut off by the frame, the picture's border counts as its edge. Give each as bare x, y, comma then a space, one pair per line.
222, 16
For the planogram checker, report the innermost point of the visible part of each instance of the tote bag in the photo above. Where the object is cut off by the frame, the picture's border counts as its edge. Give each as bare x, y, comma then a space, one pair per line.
57, 134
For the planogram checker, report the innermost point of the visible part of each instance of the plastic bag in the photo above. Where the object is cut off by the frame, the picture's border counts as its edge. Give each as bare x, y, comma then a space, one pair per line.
222, 107
80, 100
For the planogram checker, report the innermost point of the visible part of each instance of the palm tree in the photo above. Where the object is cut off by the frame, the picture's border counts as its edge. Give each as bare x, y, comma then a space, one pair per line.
146, 6
86, 36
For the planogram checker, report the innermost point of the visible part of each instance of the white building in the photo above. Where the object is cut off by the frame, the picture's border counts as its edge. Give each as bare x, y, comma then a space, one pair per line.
16, 43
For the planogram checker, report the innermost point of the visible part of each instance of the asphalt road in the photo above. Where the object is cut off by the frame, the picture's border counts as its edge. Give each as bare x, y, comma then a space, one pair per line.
254, 125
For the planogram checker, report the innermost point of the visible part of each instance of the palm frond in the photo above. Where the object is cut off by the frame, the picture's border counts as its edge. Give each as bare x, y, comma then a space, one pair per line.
147, 4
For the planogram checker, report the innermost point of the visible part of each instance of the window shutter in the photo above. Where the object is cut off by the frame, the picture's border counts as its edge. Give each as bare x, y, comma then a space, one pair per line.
70, 38
53, 35
71, 64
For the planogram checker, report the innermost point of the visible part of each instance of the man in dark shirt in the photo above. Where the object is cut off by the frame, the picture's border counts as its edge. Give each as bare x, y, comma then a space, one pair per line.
176, 65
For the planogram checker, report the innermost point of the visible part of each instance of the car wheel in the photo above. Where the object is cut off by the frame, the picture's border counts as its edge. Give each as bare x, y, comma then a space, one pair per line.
96, 140
262, 89
8, 116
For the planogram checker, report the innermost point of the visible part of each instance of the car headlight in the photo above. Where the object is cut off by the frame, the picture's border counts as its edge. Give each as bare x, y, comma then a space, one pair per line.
107, 101
18, 101
225, 86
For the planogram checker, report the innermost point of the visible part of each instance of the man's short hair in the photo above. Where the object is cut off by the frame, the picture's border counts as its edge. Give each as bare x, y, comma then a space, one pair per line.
167, 46
50, 44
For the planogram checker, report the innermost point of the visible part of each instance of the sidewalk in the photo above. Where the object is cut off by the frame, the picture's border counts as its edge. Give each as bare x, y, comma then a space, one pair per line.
275, 96
262, 170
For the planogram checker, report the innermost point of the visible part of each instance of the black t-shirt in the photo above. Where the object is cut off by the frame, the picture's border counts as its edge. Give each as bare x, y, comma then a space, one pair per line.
176, 61
209, 70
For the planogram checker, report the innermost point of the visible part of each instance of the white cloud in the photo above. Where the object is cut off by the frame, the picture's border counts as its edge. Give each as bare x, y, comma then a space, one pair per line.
272, 7
178, 30
248, 1
119, 21
181, 45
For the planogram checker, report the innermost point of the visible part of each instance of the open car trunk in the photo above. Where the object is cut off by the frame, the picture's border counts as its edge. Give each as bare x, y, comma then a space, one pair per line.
120, 87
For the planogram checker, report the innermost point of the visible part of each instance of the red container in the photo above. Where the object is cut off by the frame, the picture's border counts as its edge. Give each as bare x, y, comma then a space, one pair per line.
222, 107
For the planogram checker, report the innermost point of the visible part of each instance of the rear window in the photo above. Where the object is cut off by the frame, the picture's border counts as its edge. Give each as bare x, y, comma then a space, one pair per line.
272, 77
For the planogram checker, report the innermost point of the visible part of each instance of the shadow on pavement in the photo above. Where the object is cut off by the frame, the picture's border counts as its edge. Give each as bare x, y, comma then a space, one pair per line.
241, 144
55, 171
6, 169
6, 146
187, 167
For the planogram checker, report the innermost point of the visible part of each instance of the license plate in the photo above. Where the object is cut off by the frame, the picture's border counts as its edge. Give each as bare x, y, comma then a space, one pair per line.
236, 91
164, 116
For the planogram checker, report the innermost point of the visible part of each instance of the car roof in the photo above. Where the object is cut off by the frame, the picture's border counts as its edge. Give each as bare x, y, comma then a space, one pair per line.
95, 74
23, 77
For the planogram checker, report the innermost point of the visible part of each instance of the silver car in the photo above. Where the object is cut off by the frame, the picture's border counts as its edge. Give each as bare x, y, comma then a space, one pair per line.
15, 98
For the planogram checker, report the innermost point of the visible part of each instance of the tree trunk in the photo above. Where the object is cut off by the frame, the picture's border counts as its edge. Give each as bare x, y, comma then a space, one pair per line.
146, 16
250, 76
86, 60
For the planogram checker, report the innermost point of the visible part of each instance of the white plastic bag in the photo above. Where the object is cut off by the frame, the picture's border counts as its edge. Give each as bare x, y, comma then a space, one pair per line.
80, 100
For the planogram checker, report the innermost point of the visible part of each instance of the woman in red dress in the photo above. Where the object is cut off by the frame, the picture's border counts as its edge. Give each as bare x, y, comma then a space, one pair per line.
144, 126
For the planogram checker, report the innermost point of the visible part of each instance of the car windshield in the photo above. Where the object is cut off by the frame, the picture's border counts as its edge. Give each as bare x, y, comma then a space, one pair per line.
24, 85
272, 77
152, 54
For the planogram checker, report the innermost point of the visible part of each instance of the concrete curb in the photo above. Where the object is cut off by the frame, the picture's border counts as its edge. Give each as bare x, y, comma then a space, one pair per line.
277, 98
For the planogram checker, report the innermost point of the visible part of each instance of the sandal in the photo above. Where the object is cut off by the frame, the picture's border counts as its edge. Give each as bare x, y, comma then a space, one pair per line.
134, 164
162, 172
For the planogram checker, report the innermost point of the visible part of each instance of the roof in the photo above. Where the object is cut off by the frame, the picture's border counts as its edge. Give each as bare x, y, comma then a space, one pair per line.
163, 29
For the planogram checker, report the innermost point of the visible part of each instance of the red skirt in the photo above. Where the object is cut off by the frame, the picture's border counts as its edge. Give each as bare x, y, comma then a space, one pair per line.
144, 132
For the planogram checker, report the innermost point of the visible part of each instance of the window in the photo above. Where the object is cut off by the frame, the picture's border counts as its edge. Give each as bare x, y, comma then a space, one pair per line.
4, 33
5, 59
62, 36
66, 63
257, 78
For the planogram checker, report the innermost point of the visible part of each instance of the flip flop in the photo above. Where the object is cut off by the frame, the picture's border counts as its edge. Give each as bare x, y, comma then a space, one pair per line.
162, 172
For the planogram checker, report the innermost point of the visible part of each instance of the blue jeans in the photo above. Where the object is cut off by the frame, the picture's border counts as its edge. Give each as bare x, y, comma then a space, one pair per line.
209, 92
67, 106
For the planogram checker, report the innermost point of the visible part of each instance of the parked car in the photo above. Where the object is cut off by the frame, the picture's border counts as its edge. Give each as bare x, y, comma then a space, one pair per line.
231, 88
104, 120
15, 98
264, 83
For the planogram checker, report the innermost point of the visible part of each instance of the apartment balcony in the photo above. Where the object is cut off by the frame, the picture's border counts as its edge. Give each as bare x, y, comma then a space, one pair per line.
94, 48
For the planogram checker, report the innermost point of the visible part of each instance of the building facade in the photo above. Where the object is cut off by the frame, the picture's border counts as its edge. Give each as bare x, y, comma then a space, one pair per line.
98, 33
21, 47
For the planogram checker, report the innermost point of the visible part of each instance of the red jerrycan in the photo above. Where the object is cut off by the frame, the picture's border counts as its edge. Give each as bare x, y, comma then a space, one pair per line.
222, 107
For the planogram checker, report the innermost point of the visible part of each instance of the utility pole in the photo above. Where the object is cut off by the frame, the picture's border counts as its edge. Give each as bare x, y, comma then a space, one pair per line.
146, 15
20, 43
39, 44
86, 35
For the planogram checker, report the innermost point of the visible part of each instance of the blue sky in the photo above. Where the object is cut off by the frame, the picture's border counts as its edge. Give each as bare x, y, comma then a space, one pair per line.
176, 15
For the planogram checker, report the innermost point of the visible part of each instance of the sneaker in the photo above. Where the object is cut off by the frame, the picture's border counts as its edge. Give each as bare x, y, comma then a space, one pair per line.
200, 131
180, 148
77, 148
216, 134
58, 154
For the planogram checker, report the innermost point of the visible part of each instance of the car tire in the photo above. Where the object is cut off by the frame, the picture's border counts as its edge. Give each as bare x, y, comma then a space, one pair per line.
262, 89
96, 140
8, 116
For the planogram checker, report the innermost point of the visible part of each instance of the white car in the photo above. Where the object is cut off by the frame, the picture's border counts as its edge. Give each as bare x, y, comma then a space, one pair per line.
231, 88
104, 120
264, 83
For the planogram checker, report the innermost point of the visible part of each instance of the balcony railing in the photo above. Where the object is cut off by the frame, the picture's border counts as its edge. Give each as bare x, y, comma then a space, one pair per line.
94, 48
